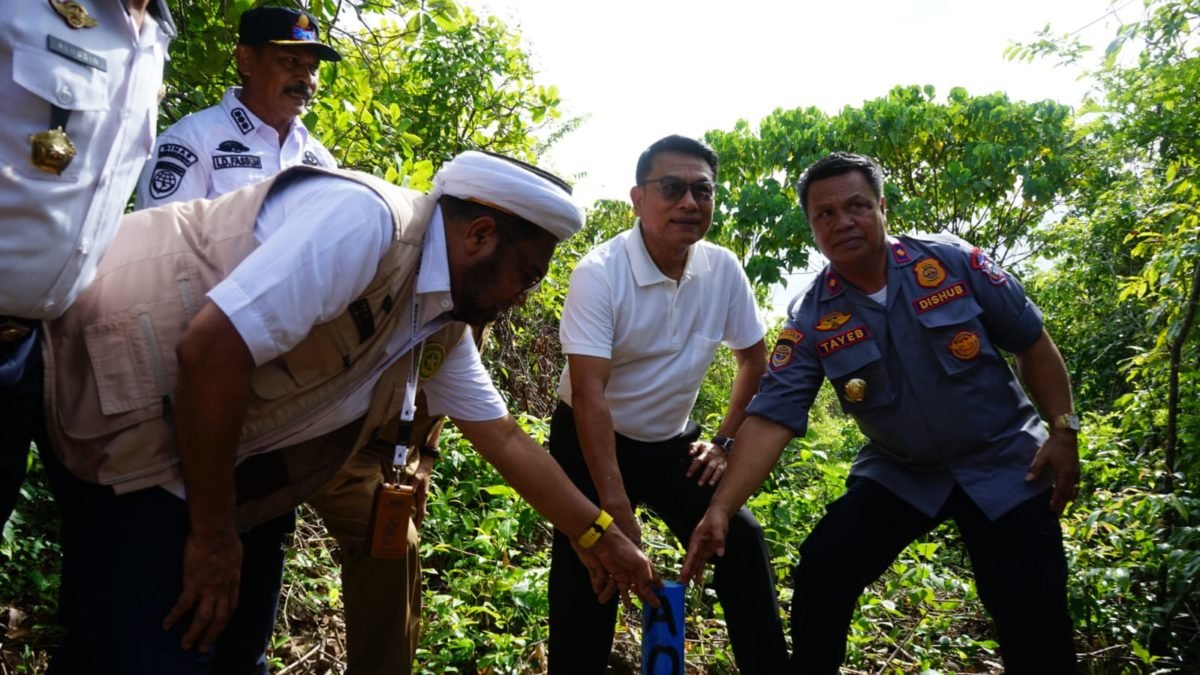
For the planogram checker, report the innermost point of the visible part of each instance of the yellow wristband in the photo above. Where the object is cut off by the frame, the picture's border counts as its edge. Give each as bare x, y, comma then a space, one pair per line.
589, 538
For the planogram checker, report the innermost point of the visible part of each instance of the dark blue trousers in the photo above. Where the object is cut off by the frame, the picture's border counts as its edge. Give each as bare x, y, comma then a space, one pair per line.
581, 629
122, 573
21, 419
1018, 560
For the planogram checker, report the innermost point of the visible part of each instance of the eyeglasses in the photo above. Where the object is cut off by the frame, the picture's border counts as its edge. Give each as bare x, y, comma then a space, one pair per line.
672, 189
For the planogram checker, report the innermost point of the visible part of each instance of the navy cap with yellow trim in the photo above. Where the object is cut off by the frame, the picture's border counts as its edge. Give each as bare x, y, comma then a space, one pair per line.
283, 26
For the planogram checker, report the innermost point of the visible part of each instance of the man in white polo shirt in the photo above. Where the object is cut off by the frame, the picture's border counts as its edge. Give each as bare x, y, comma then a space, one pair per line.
640, 326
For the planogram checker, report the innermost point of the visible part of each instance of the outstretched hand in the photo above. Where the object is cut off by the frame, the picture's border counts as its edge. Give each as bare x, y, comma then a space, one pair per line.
708, 539
630, 570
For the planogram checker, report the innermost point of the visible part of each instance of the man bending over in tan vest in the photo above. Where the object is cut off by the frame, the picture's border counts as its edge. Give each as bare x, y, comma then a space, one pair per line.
232, 353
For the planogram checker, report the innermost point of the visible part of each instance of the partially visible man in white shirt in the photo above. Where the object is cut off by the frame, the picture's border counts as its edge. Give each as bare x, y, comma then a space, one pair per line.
79, 88
255, 131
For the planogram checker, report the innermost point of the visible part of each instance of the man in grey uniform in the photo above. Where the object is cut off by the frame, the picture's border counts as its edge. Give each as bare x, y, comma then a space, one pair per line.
909, 330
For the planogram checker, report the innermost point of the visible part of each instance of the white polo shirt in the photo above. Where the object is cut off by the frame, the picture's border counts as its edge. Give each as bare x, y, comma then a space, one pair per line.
660, 335
307, 271
220, 149
55, 228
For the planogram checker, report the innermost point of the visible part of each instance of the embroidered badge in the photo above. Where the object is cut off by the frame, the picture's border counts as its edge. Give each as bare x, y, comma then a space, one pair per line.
433, 355
785, 348
965, 345
303, 30
842, 340
75, 14
900, 254
989, 269
178, 153
237, 162
833, 285
930, 273
242, 120
165, 179
940, 298
832, 321
232, 146
311, 159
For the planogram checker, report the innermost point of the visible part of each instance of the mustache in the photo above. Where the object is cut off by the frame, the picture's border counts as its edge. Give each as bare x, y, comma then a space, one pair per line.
299, 90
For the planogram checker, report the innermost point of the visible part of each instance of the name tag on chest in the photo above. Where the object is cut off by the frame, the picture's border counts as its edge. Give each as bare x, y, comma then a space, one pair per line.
77, 54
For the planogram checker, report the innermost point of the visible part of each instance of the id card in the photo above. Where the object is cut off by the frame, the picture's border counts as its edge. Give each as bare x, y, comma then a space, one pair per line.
391, 511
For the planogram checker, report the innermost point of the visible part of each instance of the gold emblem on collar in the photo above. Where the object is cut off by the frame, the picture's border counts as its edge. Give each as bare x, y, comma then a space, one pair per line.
51, 151
75, 14
856, 390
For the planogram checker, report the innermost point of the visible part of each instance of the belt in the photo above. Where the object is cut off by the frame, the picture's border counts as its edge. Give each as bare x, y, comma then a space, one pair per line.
13, 329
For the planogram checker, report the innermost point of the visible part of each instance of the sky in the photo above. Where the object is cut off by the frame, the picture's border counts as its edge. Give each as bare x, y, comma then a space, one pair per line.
638, 70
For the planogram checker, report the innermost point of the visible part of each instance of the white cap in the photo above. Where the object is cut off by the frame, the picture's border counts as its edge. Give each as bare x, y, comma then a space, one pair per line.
512, 187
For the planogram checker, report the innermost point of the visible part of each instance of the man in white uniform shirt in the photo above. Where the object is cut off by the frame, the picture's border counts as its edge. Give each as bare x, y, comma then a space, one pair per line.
79, 87
640, 326
313, 337
255, 131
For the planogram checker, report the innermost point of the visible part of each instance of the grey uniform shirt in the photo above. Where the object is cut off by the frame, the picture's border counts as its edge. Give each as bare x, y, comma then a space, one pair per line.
922, 375
220, 149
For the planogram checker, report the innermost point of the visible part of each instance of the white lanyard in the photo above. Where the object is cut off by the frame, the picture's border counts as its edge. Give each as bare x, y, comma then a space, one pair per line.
409, 409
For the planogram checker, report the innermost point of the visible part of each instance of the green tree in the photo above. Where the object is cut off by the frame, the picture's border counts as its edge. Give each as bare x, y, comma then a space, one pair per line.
1145, 114
983, 167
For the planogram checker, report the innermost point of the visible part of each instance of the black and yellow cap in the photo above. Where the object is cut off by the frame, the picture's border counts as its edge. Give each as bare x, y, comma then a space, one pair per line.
283, 26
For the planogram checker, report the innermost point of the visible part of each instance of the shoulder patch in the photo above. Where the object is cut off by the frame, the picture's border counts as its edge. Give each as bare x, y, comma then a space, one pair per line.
165, 179
940, 298
237, 162
964, 345
232, 146
832, 321
981, 263
930, 273
242, 120
178, 153
842, 340
311, 159
900, 253
433, 355
785, 348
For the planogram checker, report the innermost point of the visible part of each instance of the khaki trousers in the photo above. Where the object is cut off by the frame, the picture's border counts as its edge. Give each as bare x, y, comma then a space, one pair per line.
382, 597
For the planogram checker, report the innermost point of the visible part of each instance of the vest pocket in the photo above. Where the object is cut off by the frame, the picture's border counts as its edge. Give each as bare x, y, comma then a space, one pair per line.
133, 357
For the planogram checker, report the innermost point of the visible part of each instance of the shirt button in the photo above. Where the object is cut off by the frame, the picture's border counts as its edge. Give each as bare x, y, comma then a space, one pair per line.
64, 95
446, 304
85, 245
48, 305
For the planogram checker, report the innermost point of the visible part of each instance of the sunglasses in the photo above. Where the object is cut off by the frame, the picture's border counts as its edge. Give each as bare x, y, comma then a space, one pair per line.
672, 189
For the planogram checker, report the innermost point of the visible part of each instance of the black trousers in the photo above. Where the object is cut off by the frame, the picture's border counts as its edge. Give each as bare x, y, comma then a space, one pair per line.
1020, 573
581, 629
21, 418
123, 572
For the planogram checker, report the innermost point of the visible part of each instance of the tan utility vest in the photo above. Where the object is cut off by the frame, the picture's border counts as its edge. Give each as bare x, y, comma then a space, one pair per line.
110, 359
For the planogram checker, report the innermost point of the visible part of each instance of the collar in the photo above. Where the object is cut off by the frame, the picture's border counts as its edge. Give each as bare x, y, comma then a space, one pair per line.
646, 272
433, 276
244, 119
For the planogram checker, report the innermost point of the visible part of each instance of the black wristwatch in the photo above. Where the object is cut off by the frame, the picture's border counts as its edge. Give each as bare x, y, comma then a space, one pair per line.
723, 442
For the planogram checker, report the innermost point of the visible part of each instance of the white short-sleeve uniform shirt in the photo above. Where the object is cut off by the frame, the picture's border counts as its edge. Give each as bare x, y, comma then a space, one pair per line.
220, 149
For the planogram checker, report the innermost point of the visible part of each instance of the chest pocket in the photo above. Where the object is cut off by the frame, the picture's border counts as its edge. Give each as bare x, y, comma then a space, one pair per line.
858, 373
48, 79
957, 336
